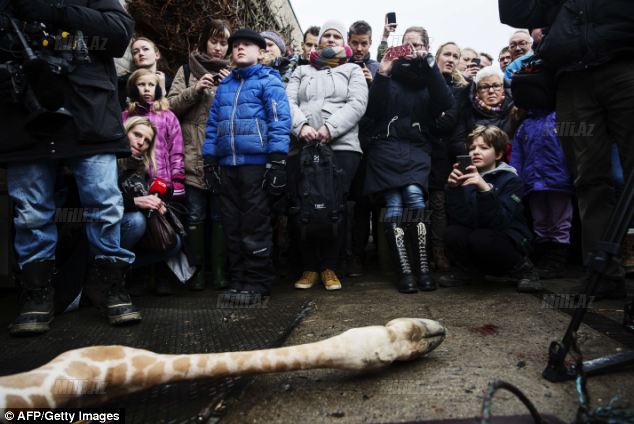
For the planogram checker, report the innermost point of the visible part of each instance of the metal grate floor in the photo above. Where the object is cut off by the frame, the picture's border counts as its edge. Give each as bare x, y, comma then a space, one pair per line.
185, 323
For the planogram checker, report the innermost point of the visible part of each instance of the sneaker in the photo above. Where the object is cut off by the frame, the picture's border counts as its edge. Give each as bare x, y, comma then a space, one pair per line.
527, 277
355, 267
307, 280
330, 280
456, 279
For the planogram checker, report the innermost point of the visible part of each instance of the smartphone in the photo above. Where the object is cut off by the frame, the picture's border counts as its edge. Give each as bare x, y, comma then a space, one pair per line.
360, 63
463, 162
391, 17
474, 63
217, 79
399, 51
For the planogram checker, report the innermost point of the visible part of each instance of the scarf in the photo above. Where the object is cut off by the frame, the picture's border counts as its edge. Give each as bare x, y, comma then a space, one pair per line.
330, 57
409, 72
485, 109
201, 64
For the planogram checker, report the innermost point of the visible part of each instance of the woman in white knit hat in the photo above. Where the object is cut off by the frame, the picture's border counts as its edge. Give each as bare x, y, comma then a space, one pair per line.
328, 97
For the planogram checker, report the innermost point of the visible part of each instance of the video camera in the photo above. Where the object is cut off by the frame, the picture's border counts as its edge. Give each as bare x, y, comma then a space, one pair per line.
36, 69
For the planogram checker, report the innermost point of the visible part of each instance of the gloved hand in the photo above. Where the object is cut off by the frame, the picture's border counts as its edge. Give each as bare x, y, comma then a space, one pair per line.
38, 11
212, 174
275, 176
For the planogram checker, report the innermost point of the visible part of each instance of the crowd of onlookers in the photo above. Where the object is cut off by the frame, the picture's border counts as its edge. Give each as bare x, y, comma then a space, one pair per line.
283, 163
397, 127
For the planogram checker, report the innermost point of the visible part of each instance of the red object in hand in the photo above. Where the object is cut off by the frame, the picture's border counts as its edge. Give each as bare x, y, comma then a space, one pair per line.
399, 51
161, 187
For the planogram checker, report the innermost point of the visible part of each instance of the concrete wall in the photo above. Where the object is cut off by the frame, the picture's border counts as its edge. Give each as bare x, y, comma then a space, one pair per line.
284, 10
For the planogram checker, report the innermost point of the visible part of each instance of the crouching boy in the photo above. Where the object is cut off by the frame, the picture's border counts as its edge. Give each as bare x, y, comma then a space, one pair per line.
245, 161
488, 234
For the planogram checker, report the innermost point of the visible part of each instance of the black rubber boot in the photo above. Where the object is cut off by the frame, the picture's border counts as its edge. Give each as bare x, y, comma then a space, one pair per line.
196, 243
418, 236
105, 288
36, 300
396, 240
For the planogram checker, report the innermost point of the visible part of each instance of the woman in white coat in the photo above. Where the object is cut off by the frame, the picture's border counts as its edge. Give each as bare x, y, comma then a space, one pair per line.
328, 98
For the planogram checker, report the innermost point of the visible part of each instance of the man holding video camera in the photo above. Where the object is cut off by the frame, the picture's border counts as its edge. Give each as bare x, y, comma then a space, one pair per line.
58, 106
590, 44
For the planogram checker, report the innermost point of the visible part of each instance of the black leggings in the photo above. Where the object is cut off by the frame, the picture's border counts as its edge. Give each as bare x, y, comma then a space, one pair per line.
488, 251
324, 253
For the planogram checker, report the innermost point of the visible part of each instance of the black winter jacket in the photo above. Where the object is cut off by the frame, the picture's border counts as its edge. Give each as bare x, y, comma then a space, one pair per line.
499, 209
89, 91
581, 33
398, 153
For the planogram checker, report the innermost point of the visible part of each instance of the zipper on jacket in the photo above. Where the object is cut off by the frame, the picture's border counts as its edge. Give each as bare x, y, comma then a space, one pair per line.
257, 125
274, 104
388, 125
233, 115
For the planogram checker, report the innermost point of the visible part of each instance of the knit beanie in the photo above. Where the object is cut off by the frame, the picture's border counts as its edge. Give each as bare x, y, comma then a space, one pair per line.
275, 38
333, 24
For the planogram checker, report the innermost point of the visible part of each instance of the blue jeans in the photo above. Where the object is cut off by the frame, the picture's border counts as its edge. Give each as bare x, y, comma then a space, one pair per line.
410, 197
32, 188
202, 204
133, 227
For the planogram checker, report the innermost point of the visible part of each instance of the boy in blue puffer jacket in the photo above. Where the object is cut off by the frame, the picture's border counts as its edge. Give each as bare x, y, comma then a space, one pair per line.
245, 159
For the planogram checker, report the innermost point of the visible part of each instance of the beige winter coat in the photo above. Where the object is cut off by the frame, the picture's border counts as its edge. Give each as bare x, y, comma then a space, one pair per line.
192, 109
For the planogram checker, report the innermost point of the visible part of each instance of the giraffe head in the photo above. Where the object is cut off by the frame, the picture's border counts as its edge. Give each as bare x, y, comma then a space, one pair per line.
418, 336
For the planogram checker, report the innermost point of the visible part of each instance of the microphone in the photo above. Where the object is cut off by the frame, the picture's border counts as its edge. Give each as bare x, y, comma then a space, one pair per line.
161, 188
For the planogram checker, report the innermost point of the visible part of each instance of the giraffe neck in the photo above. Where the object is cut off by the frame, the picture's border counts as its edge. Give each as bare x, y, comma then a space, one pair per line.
83, 374
95, 374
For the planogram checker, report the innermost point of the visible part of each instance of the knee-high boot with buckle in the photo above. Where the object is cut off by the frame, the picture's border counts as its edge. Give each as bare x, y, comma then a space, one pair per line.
218, 256
396, 240
104, 287
196, 244
36, 299
418, 240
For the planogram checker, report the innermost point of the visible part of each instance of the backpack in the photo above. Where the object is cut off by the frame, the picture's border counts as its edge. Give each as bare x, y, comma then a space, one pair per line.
320, 207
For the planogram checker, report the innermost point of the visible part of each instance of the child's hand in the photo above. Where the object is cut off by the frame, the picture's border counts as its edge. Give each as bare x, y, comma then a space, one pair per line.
473, 178
456, 177
324, 134
205, 82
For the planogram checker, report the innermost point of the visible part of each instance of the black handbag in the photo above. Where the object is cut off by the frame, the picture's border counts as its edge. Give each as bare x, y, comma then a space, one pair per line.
534, 87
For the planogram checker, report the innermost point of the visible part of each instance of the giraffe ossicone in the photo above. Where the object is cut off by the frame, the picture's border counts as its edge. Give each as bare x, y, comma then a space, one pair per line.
95, 374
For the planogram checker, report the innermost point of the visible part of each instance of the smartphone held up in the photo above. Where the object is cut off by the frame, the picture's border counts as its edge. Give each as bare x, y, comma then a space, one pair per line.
463, 162
399, 51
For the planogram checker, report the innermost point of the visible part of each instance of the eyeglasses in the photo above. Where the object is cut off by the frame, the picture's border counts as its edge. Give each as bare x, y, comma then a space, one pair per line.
487, 87
522, 43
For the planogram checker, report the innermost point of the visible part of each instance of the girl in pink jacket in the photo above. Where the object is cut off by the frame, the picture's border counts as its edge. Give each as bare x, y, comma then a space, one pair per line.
147, 99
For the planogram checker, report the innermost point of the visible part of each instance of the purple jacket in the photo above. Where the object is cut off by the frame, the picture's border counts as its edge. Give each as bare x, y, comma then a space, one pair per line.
168, 148
538, 157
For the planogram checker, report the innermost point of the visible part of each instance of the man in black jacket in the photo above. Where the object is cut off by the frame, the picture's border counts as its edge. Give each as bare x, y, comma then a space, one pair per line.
88, 143
591, 44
